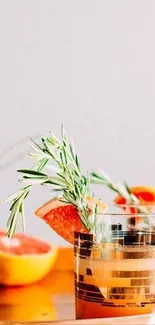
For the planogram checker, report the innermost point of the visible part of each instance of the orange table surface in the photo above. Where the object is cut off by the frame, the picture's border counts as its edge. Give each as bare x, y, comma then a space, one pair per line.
49, 300
52, 300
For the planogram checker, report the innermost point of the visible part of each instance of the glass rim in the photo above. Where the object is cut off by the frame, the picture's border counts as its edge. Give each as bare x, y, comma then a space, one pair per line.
144, 209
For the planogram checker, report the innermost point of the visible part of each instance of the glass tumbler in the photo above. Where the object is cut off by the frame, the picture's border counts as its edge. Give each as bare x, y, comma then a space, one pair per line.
115, 273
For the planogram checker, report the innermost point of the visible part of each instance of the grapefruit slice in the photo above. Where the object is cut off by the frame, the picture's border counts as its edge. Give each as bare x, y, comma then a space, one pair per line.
64, 219
145, 194
24, 259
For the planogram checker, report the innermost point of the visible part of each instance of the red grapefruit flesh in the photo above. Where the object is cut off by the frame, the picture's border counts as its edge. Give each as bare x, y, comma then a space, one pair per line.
63, 218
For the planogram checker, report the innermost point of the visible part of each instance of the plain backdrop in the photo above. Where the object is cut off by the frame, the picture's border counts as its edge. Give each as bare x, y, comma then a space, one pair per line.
89, 64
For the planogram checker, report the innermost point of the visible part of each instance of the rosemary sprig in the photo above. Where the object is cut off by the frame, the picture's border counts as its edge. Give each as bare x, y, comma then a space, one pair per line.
121, 189
17, 208
68, 178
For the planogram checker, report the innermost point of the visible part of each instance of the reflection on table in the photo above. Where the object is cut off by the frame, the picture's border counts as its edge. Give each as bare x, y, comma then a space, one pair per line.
50, 299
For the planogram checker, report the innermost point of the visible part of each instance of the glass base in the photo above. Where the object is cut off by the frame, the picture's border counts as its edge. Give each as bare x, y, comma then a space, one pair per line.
86, 309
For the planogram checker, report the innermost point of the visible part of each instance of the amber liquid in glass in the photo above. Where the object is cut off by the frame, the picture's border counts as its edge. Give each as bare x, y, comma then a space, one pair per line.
115, 279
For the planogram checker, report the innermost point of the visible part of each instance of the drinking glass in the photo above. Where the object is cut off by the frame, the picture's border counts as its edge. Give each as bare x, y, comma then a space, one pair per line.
115, 269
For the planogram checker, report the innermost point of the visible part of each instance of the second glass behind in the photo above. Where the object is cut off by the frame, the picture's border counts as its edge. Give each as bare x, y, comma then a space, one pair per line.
116, 276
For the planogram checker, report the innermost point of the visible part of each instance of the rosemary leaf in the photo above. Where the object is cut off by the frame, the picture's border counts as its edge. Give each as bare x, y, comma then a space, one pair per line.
71, 151
23, 216
30, 172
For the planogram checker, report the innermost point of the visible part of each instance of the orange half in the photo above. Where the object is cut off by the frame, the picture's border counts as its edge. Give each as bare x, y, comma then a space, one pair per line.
24, 259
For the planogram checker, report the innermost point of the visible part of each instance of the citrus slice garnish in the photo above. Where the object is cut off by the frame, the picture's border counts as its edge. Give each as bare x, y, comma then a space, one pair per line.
145, 194
64, 218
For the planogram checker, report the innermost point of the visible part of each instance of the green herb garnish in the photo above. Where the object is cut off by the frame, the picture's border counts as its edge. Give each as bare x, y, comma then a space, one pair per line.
68, 179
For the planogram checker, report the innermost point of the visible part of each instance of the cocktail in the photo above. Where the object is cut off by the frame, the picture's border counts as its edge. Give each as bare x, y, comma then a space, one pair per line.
116, 277
114, 245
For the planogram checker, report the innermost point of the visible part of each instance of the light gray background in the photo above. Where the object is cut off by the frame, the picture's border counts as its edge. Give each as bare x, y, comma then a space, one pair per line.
89, 65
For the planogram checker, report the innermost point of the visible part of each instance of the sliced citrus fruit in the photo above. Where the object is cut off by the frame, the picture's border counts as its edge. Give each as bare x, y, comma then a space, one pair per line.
64, 218
145, 194
24, 259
